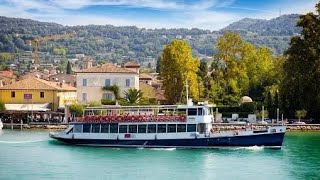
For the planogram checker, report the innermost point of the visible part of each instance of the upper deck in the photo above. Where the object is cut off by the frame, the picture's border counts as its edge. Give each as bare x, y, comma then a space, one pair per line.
160, 113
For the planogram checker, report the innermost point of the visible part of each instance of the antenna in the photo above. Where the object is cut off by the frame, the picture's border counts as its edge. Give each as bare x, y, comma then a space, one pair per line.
280, 12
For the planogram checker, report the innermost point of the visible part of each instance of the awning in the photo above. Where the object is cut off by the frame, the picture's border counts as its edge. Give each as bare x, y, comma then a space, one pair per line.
27, 107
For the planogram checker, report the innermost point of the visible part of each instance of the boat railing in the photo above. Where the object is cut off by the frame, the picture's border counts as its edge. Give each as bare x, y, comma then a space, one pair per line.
131, 118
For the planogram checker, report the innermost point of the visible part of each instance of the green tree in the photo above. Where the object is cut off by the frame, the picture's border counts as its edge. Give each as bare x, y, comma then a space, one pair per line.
301, 114
178, 66
230, 76
300, 87
158, 65
2, 106
77, 109
114, 89
133, 96
69, 70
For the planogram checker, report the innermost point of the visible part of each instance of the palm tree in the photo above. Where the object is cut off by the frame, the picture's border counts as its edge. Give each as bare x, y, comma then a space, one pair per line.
301, 114
133, 96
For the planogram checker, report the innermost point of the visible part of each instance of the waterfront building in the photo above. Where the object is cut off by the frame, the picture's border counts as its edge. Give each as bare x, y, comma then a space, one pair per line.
91, 81
32, 93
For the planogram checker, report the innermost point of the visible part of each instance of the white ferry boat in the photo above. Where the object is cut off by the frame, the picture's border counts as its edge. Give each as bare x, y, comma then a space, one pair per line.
163, 126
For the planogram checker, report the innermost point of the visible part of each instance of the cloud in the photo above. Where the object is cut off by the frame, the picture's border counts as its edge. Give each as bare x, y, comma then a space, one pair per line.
205, 14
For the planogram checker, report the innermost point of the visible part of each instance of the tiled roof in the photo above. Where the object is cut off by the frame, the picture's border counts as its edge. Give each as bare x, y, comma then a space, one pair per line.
106, 68
7, 73
131, 64
67, 78
37, 84
35, 74
145, 76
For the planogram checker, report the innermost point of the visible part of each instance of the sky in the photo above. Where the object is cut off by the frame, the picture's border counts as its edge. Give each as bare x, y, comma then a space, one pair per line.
202, 14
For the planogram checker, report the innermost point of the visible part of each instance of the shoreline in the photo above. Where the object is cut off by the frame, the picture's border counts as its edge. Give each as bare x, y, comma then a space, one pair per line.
221, 126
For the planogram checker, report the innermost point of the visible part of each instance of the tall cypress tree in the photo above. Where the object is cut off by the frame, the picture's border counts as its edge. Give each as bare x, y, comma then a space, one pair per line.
69, 70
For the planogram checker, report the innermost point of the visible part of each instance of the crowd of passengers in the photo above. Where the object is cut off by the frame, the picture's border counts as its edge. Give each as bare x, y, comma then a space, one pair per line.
36, 118
133, 118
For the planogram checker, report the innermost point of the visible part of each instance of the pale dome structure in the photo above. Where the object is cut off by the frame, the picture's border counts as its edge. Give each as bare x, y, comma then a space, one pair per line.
245, 99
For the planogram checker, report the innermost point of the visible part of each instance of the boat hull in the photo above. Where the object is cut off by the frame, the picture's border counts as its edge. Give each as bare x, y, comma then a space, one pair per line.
268, 140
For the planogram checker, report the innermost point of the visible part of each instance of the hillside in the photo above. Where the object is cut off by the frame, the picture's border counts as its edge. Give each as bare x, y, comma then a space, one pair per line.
280, 26
113, 43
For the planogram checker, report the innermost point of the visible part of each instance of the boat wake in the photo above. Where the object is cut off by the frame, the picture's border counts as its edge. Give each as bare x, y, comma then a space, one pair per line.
21, 142
163, 149
251, 148
158, 149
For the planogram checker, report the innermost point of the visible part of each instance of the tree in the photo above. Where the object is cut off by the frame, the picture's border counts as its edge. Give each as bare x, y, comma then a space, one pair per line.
242, 69
114, 89
133, 96
177, 67
301, 114
2, 106
300, 87
69, 70
158, 65
77, 109
230, 77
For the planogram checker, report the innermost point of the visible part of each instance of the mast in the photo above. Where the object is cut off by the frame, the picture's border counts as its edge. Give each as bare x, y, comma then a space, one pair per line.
262, 113
187, 90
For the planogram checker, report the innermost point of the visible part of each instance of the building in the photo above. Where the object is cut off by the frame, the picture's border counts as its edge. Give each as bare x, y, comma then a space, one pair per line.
132, 66
146, 78
37, 94
36, 74
91, 81
87, 63
7, 77
64, 78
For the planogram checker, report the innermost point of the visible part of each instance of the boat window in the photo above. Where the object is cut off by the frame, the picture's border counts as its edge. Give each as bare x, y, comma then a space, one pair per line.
105, 128
199, 111
132, 128
151, 128
161, 128
142, 128
86, 128
77, 128
171, 128
192, 112
181, 128
191, 128
95, 128
113, 128
123, 129
205, 111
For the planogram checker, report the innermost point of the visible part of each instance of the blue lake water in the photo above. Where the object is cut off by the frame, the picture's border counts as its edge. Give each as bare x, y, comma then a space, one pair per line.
31, 154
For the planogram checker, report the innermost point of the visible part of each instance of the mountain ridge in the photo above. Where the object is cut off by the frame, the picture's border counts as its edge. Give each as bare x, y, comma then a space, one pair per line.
115, 42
